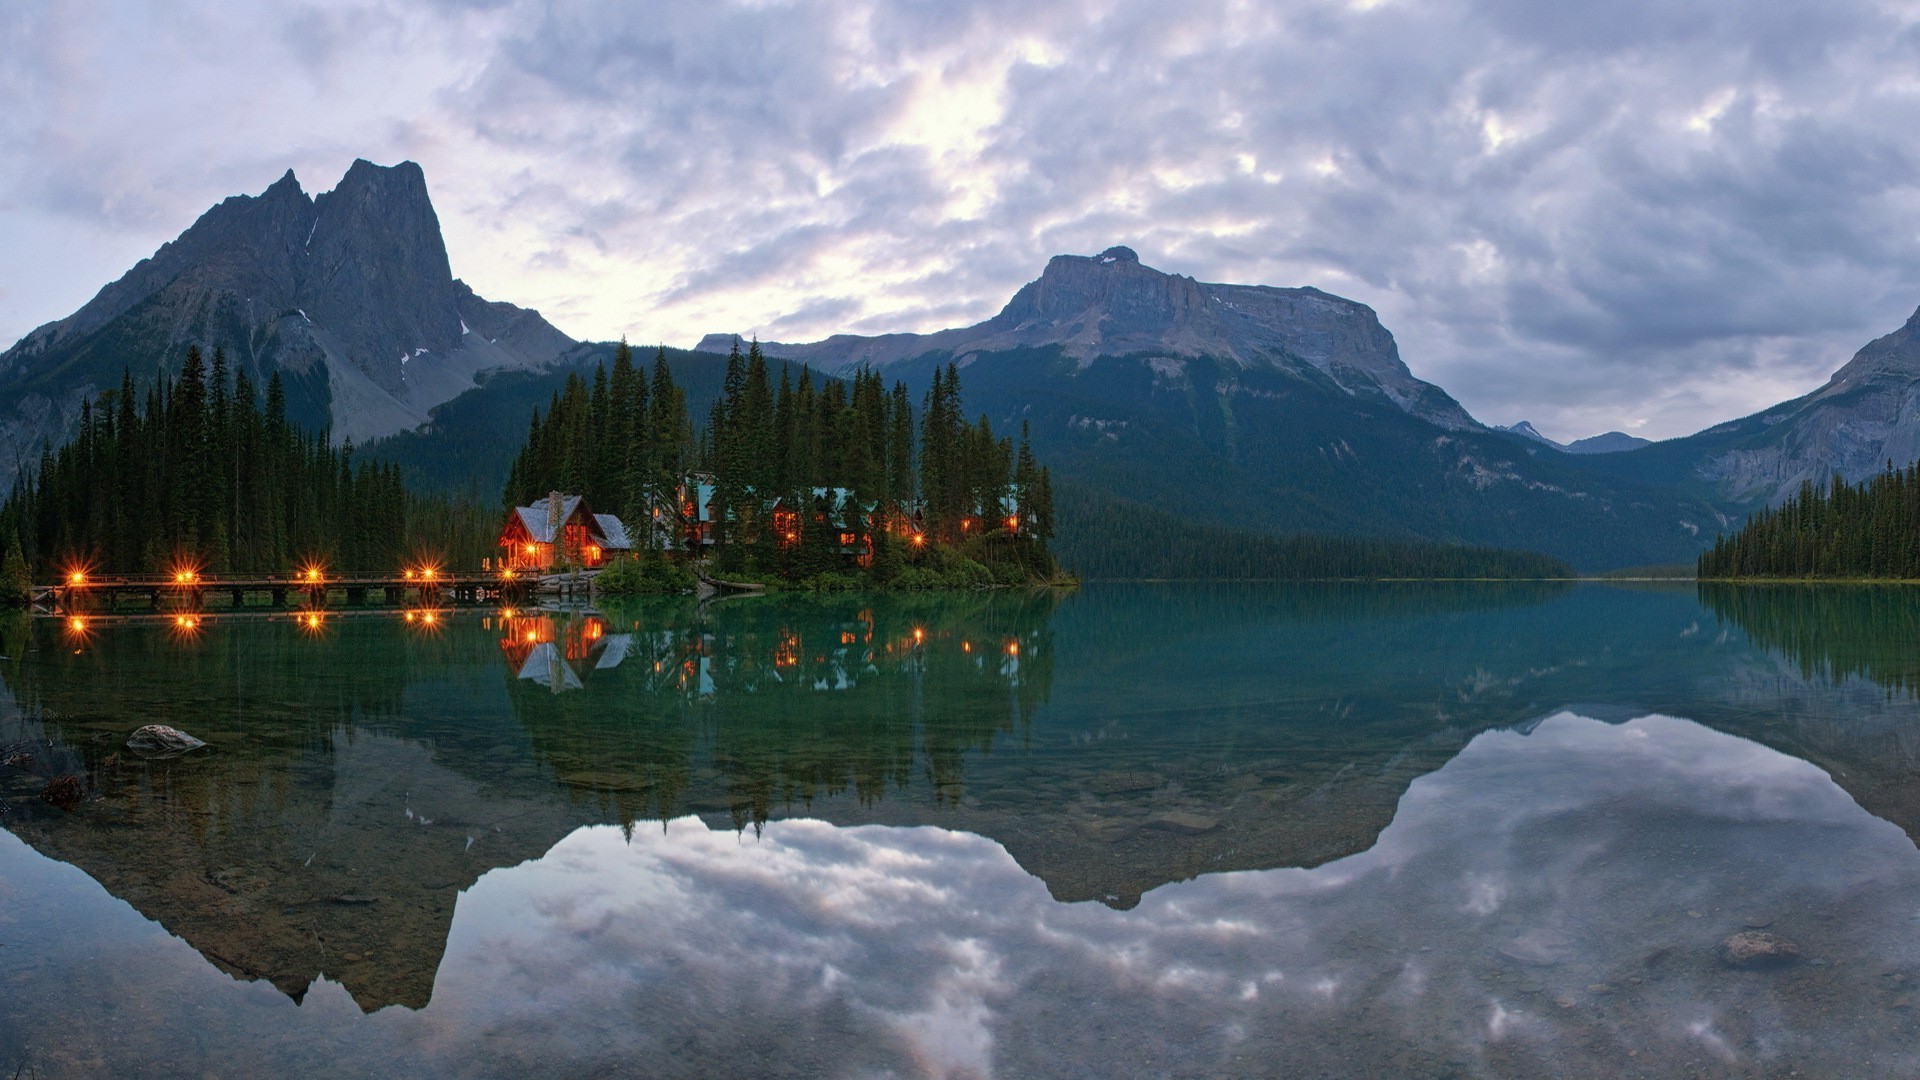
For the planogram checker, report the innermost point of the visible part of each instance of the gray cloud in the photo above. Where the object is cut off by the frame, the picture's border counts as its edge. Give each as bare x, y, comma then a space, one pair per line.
1650, 216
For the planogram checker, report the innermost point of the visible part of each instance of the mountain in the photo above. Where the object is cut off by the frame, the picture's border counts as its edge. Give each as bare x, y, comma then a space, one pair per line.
349, 295
1612, 442
1866, 415
1270, 409
1526, 430
1110, 305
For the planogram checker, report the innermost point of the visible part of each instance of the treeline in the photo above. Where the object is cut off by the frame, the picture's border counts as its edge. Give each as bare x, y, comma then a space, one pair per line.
204, 470
1865, 530
1103, 537
626, 443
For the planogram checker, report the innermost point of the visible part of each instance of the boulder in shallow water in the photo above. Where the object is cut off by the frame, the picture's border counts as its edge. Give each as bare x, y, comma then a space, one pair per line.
1754, 949
65, 791
161, 741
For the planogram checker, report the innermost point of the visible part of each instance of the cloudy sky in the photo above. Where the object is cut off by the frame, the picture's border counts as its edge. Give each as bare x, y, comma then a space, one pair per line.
1650, 215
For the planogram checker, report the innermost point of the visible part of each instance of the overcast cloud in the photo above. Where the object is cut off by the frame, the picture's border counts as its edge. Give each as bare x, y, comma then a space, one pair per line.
1646, 215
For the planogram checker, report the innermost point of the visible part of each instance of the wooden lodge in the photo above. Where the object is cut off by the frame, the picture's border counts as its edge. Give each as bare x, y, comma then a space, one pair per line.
560, 530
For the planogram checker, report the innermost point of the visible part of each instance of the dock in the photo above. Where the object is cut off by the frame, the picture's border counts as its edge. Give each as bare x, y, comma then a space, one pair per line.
195, 591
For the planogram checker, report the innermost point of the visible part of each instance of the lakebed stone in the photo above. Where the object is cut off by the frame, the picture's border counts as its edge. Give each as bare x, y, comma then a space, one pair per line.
1754, 949
161, 741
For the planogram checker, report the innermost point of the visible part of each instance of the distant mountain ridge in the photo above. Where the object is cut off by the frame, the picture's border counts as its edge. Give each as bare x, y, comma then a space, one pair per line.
1612, 442
349, 295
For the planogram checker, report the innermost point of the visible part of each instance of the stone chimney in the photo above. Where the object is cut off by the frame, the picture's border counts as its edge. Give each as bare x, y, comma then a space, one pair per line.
553, 516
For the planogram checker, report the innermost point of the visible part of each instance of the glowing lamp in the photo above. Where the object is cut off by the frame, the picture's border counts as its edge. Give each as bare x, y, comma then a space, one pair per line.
427, 573
1013, 523
183, 577
408, 575
77, 578
507, 574
430, 618
1013, 648
77, 625
532, 548
919, 539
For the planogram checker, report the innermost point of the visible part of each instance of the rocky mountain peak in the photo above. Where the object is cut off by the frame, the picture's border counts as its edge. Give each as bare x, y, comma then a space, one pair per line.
352, 291
1113, 305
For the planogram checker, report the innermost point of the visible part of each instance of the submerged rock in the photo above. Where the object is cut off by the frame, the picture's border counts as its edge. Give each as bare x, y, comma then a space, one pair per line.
161, 741
1753, 949
65, 791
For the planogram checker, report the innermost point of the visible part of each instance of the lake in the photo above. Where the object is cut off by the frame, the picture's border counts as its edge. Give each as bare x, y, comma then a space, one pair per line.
1152, 830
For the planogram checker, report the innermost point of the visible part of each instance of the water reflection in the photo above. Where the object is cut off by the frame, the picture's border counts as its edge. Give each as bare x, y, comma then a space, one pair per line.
374, 778
1546, 903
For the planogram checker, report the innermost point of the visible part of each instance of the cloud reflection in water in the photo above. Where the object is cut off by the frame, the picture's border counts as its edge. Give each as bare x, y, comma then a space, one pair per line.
1546, 902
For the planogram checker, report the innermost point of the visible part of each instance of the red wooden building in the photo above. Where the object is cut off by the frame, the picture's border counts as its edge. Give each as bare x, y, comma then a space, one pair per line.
560, 530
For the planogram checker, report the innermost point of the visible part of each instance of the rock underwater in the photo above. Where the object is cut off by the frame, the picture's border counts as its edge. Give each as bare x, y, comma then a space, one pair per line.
161, 741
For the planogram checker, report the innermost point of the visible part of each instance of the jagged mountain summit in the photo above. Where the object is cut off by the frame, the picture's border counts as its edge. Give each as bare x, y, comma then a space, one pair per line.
1111, 305
1611, 442
349, 295
1282, 410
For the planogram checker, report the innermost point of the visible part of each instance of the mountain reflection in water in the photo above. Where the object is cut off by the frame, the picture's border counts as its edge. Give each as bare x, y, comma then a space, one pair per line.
836, 837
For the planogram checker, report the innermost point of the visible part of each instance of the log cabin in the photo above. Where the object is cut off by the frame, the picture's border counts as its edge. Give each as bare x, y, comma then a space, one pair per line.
560, 530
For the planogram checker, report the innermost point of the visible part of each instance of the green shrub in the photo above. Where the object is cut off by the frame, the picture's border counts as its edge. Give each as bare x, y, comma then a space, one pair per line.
649, 576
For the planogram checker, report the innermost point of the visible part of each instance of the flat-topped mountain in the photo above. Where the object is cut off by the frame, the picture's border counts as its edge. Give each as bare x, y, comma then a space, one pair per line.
1111, 304
1277, 409
349, 295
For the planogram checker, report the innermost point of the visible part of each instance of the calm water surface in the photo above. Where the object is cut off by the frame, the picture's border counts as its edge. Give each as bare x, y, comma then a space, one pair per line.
1136, 831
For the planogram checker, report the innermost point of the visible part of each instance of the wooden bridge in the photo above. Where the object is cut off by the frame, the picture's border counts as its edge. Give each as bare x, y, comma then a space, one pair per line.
195, 591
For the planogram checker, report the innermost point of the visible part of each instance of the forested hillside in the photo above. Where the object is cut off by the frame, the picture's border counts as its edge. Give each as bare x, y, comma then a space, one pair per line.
206, 471
1104, 537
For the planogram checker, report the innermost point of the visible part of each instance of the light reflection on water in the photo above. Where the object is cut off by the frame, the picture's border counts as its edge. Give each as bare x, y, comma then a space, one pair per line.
1321, 852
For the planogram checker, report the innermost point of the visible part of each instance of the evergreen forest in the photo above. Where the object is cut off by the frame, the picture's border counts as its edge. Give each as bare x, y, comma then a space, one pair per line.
840, 449
1842, 530
205, 471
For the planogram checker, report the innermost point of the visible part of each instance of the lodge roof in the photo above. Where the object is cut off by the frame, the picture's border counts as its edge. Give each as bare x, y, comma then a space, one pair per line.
609, 530
614, 532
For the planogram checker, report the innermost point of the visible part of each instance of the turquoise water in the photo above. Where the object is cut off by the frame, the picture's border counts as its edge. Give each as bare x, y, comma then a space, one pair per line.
1136, 830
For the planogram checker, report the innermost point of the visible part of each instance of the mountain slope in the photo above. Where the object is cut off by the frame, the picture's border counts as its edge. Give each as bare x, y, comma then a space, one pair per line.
349, 296
1280, 410
1866, 415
